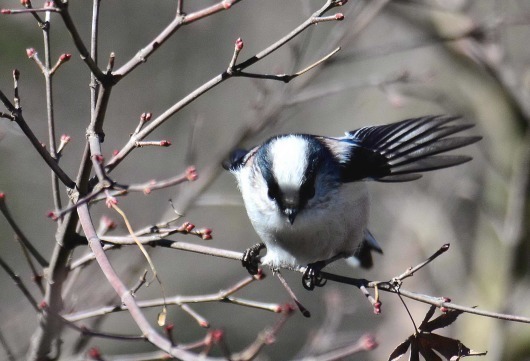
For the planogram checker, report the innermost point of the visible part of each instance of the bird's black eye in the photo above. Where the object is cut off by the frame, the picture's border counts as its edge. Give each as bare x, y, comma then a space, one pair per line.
307, 191
274, 191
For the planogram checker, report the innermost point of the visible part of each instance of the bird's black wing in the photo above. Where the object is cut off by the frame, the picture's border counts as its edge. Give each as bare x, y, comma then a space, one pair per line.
398, 152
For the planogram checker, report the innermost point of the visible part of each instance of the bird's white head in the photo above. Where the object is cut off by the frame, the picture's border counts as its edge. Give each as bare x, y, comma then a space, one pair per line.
293, 167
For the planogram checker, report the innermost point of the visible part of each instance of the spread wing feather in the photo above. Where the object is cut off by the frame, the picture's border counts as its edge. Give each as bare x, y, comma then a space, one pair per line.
398, 152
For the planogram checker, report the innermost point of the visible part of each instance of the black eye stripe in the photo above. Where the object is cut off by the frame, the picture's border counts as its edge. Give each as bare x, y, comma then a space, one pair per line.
274, 191
319, 160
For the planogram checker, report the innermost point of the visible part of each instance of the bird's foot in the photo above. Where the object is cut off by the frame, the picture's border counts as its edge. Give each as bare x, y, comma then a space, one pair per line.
312, 277
251, 258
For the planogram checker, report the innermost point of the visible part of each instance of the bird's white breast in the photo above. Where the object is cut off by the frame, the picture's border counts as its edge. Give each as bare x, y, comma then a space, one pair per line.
330, 224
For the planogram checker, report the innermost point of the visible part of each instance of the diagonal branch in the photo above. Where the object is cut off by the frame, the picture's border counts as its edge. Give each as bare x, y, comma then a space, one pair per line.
80, 45
20, 285
180, 20
227, 74
17, 117
21, 236
124, 293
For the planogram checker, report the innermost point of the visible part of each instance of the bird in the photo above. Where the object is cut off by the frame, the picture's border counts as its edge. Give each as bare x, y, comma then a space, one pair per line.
307, 197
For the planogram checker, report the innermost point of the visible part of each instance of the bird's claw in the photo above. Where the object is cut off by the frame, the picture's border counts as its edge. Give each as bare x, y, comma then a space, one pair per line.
251, 258
312, 277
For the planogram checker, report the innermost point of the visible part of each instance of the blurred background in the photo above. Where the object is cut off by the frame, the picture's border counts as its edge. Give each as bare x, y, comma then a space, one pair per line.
398, 59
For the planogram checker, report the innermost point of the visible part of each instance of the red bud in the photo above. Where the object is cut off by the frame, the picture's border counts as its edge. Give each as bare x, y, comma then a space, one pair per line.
111, 201
191, 174
52, 215
239, 44
30, 52
217, 335
188, 226
368, 342
206, 233
109, 223
65, 57
377, 307
94, 353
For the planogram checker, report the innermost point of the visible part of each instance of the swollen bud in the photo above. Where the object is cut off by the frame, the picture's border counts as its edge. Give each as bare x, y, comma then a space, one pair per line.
94, 353
65, 138
377, 307
239, 44
216, 336
191, 174
65, 57
368, 342
206, 233
30, 52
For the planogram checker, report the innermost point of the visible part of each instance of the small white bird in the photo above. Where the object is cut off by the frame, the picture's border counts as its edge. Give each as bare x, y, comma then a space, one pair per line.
306, 196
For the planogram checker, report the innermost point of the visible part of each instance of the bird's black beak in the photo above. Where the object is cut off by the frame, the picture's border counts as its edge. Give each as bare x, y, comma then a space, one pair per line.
291, 214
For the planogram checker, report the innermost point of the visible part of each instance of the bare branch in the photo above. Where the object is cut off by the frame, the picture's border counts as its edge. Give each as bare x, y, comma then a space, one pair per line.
20, 235
180, 20
16, 113
220, 296
213, 83
80, 45
357, 282
286, 78
20, 285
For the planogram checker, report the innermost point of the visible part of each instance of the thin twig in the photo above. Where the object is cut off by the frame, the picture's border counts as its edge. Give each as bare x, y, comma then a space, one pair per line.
48, 78
52, 163
126, 297
37, 277
213, 83
20, 285
9, 352
286, 78
80, 45
19, 234
410, 272
301, 307
27, 11
357, 282
180, 20
264, 338
365, 343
